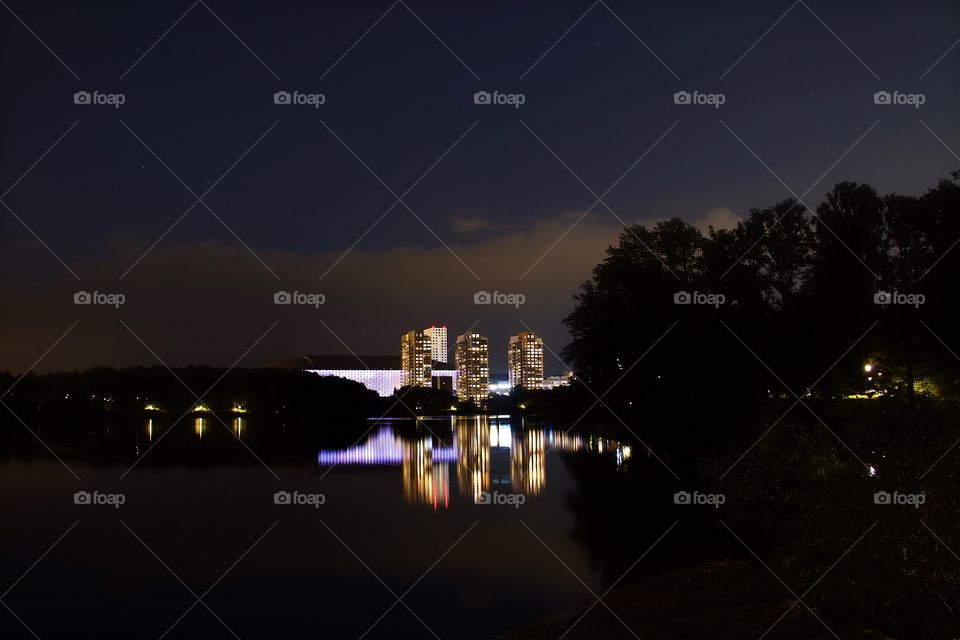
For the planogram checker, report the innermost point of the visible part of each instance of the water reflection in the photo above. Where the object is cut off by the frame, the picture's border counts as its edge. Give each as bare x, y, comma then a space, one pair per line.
238, 425
488, 452
425, 479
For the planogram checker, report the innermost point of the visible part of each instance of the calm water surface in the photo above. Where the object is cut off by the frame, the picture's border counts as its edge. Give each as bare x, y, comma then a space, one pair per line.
450, 527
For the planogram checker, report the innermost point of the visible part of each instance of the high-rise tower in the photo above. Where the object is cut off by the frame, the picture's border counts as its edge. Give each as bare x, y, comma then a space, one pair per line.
415, 359
472, 359
525, 361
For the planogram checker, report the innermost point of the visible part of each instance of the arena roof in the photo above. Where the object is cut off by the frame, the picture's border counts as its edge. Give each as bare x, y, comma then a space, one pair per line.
350, 362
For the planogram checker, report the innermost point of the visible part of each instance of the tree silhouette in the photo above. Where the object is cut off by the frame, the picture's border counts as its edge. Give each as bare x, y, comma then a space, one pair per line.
800, 289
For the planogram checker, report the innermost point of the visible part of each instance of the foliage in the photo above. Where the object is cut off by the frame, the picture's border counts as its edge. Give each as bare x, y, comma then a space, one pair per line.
803, 499
105, 389
418, 401
799, 291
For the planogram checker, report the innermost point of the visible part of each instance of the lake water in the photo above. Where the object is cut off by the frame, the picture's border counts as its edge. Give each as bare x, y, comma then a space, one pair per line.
232, 527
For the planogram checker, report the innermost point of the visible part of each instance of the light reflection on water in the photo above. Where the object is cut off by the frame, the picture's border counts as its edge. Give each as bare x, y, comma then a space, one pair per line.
407, 484
488, 453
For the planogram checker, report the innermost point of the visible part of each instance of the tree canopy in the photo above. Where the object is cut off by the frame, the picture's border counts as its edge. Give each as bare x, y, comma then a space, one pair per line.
792, 298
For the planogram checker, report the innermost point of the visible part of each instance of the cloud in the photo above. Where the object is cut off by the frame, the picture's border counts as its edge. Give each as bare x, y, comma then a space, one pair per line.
473, 224
718, 218
208, 302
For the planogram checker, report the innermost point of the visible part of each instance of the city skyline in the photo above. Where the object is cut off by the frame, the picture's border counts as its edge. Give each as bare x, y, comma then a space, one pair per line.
417, 364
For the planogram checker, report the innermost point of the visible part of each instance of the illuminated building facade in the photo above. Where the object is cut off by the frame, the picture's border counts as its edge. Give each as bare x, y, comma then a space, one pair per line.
438, 342
552, 382
382, 374
472, 359
415, 359
500, 384
525, 361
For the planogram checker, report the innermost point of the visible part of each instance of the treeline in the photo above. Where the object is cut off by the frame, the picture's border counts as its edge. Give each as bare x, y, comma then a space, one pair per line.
791, 299
853, 300
132, 390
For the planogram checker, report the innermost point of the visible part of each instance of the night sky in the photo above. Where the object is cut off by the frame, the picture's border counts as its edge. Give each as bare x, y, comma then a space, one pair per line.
485, 190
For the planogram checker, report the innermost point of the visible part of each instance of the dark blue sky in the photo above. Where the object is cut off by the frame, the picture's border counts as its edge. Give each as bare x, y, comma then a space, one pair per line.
399, 99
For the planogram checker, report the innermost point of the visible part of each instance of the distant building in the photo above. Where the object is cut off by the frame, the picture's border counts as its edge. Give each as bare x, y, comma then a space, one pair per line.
525, 361
499, 384
472, 359
552, 382
382, 374
438, 343
415, 359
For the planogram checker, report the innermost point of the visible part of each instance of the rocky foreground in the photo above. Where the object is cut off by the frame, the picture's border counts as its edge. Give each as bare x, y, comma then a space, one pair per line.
718, 600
